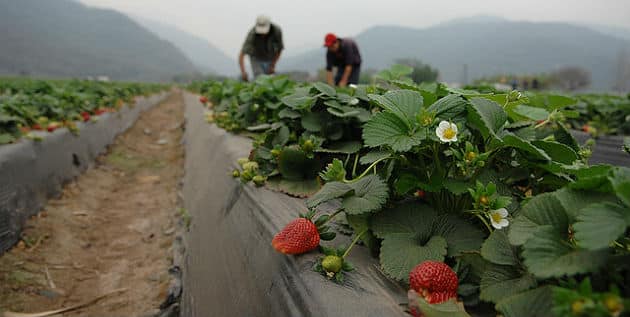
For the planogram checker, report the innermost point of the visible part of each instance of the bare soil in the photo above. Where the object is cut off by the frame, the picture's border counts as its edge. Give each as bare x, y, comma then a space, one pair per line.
110, 233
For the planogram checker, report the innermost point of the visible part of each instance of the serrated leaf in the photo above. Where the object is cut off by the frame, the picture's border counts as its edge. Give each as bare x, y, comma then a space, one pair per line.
329, 192
288, 113
449, 107
499, 282
348, 147
260, 127
512, 140
299, 100
532, 113
401, 252
312, 121
548, 254
325, 89
297, 188
563, 136
361, 223
543, 209
419, 223
532, 303
486, 116
498, 250
294, 164
387, 129
368, 194
405, 104
620, 181
449, 308
335, 171
344, 112
600, 224
557, 151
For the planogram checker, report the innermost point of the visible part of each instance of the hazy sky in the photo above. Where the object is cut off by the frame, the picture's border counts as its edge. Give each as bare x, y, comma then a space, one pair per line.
304, 23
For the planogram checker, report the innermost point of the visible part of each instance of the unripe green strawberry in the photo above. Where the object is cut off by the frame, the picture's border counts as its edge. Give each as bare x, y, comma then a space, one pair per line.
259, 180
247, 176
332, 264
276, 152
250, 166
308, 146
236, 173
241, 161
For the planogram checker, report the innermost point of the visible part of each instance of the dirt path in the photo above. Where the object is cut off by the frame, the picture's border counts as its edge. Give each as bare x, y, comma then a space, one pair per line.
112, 229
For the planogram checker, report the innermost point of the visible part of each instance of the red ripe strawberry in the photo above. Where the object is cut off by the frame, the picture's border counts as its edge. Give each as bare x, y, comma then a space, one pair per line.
203, 99
37, 126
100, 111
299, 236
420, 193
86, 116
434, 280
586, 128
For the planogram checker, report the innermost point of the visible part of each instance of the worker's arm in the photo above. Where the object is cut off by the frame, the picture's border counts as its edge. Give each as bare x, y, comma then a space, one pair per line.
329, 77
346, 74
273, 63
241, 63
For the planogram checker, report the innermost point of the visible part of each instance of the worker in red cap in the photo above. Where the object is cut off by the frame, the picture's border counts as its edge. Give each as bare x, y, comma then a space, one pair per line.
343, 53
263, 45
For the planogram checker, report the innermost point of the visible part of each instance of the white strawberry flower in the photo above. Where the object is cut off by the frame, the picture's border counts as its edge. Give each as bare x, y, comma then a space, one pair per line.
447, 132
499, 218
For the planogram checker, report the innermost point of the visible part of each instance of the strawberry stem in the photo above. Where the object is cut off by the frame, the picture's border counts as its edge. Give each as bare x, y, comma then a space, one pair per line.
367, 170
353, 243
332, 216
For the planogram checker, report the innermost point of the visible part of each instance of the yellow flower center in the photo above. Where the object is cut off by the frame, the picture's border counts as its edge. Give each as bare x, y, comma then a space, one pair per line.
496, 217
426, 121
471, 156
449, 133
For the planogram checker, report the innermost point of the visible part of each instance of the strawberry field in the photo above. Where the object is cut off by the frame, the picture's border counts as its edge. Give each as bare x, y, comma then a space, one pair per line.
479, 203
32, 105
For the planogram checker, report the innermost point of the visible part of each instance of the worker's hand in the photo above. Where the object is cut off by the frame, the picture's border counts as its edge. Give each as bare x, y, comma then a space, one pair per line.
244, 76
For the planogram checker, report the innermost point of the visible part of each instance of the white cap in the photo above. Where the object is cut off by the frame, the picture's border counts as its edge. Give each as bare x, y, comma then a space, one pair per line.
263, 24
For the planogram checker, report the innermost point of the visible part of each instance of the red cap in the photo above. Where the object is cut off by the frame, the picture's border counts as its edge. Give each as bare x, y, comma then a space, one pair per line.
330, 39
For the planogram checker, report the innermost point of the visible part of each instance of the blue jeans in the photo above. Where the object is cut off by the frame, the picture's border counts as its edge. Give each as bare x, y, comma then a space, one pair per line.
260, 67
354, 75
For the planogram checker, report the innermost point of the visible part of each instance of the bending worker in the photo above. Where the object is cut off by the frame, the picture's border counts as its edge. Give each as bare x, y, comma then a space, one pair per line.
263, 45
344, 55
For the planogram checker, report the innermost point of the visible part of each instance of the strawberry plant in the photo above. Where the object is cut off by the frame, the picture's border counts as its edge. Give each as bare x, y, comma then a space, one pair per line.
491, 186
27, 105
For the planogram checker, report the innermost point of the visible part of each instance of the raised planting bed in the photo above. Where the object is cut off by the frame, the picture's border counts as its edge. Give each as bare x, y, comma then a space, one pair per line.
33, 171
231, 268
607, 149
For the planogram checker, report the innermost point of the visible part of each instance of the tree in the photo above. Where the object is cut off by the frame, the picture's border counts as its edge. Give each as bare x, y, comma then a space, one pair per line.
421, 72
571, 78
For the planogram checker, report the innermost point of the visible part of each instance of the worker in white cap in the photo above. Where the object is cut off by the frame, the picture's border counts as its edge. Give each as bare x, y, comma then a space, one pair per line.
263, 45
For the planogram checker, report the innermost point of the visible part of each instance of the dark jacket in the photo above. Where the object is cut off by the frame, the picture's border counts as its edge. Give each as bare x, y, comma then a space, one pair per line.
263, 47
348, 54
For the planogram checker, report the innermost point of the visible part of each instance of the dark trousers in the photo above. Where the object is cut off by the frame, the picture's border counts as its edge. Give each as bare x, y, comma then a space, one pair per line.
354, 75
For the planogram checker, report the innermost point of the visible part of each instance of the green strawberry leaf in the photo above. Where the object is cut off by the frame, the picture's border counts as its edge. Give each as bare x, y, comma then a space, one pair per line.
368, 194
449, 107
296, 188
486, 116
335, 171
388, 129
557, 151
500, 281
498, 250
347, 147
329, 192
511, 140
405, 104
413, 232
449, 308
532, 113
600, 224
548, 254
535, 303
325, 89
288, 113
373, 156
